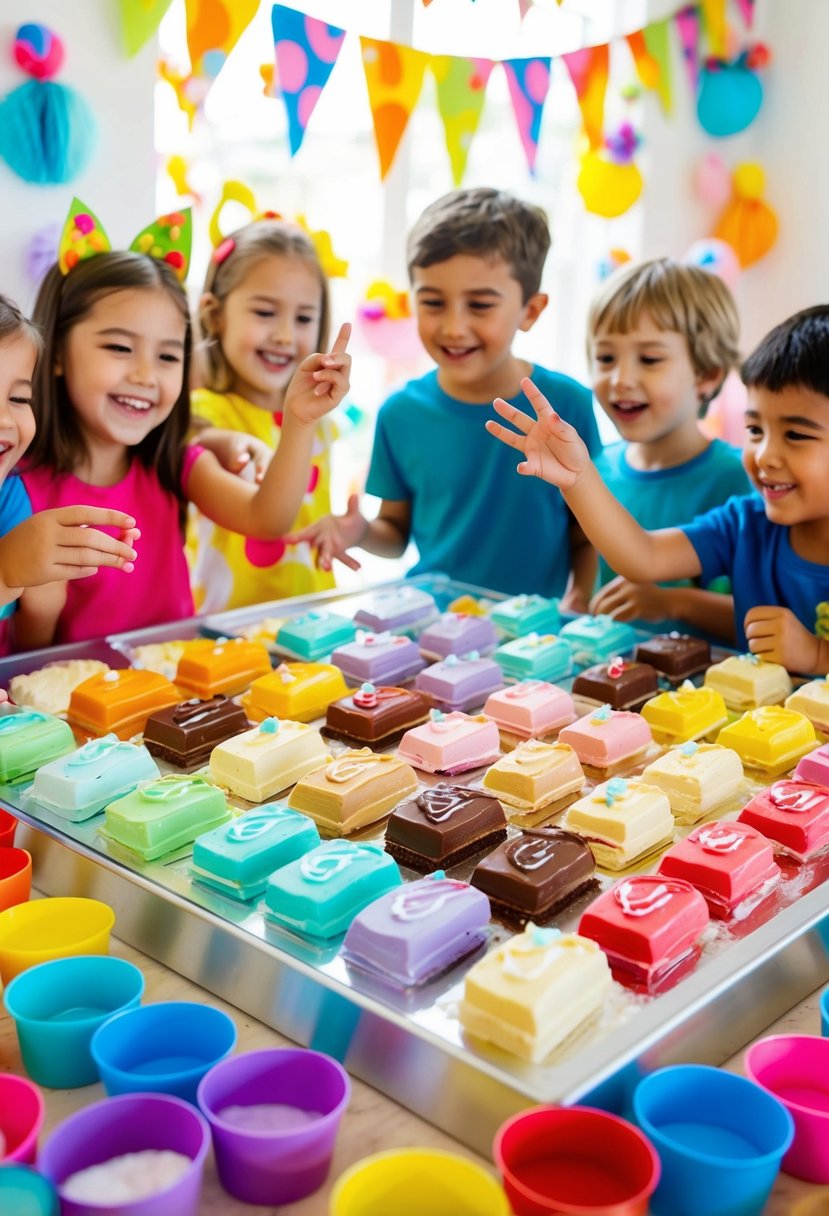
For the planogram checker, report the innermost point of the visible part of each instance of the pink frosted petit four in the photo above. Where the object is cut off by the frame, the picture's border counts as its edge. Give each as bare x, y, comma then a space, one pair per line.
530, 709
814, 766
726, 862
793, 814
607, 736
450, 743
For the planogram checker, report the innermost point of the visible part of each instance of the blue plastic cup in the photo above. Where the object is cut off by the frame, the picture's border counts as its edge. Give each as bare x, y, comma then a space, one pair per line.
58, 1006
24, 1192
165, 1048
824, 1013
720, 1139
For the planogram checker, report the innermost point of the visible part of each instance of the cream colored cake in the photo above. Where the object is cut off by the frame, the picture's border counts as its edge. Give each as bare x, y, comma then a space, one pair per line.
621, 821
745, 681
260, 762
358, 787
535, 774
50, 688
812, 700
162, 657
696, 777
534, 991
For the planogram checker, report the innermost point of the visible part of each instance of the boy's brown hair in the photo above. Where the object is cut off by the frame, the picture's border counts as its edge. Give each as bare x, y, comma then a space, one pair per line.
487, 223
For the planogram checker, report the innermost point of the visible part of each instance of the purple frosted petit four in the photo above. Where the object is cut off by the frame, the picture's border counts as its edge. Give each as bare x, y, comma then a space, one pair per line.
460, 682
399, 609
379, 658
458, 633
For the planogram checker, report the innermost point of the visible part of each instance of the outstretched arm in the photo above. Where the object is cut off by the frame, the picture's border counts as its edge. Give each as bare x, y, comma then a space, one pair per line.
333, 535
706, 610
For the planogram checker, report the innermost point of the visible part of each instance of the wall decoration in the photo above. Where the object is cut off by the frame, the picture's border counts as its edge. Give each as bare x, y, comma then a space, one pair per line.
731, 93
748, 224
712, 181
213, 29
461, 91
588, 70
306, 51
139, 21
529, 82
385, 322
394, 78
609, 181
715, 256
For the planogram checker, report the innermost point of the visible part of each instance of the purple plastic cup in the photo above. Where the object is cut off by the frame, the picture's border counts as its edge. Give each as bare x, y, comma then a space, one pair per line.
130, 1124
275, 1165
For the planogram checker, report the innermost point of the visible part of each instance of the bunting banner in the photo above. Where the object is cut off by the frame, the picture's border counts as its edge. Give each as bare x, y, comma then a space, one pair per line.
139, 21
306, 50
687, 26
659, 48
394, 78
716, 28
746, 8
589, 70
461, 92
213, 29
529, 84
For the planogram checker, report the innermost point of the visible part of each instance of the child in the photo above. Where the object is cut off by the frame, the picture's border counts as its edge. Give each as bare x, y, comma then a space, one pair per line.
661, 338
774, 545
264, 309
114, 411
475, 259
55, 544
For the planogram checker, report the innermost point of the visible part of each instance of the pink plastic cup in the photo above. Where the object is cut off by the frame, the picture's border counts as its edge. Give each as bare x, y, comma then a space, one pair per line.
795, 1068
21, 1117
575, 1161
8, 824
15, 877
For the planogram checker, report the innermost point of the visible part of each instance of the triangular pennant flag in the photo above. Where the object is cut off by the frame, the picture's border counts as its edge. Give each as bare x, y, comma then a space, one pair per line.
306, 51
687, 25
647, 69
394, 78
588, 70
213, 29
713, 18
139, 21
746, 8
524, 7
461, 90
529, 83
659, 49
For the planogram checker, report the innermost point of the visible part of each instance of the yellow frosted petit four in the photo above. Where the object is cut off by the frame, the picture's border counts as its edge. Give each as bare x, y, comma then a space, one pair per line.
770, 738
358, 787
685, 713
535, 774
534, 991
260, 762
746, 681
300, 691
621, 821
225, 665
696, 777
811, 700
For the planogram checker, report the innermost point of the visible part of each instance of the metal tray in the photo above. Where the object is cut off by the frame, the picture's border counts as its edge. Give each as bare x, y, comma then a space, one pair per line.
409, 1044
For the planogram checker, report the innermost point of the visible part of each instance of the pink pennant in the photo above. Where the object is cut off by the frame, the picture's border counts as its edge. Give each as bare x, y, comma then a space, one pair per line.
687, 24
746, 8
529, 83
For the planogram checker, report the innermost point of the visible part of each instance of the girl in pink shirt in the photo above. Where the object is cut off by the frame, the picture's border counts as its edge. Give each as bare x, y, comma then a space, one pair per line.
113, 411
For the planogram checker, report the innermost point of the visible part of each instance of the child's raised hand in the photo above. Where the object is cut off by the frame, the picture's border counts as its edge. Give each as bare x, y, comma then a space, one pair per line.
553, 450
777, 635
626, 601
65, 544
236, 451
333, 535
320, 382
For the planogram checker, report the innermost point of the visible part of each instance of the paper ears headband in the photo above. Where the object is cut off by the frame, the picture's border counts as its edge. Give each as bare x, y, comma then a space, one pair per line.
168, 239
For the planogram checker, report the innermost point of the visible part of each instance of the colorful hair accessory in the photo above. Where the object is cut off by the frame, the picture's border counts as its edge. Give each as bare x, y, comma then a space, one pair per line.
167, 239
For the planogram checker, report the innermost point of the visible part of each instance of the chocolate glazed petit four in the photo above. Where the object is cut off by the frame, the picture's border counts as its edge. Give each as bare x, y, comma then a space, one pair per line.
675, 655
184, 735
442, 826
375, 714
620, 684
534, 875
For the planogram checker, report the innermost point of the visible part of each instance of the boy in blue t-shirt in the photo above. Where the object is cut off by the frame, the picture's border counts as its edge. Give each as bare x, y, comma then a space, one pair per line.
475, 259
773, 546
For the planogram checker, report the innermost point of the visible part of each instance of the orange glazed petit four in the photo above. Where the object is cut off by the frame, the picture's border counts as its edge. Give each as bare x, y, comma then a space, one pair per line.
227, 665
119, 701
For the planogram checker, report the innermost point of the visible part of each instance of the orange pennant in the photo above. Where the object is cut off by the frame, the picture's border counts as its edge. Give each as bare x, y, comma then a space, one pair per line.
588, 70
394, 78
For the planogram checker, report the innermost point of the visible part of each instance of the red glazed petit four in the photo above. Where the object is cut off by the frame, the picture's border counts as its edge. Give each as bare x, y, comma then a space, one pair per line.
793, 814
726, 862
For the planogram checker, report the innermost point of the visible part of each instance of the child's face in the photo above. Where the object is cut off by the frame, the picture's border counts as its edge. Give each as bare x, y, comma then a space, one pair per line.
17, 422
468, 311
786, 453
268, 325
123, 365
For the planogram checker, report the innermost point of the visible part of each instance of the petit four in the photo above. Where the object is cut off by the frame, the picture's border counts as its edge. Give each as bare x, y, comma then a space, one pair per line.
460, 682
471, 606
319, 895
29, 739
538, 656
685, 713
535, 774
811, 700
622, 821
607, 736
415, 932
398, 610
770, 738
646, 924
300, 691
315, 634
534, 991
675, 655
239, 857
225, 665
357, 787
457, 633
164, 815
745, 681
185, 734
263, 631
536, 873
526, 614
379, 658
696, 777
450, 743
375, 715
593, 639
792, 814
258, 763
119, 701
82, 783
50, 688
443, 825
726, 862
162, 657
621, 684
530, 709
814, 766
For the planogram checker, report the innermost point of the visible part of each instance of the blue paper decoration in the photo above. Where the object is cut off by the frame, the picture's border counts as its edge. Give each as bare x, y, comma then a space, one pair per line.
47, 132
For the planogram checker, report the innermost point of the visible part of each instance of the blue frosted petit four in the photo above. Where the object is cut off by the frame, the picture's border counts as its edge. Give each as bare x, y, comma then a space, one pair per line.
79, 785
239, 857
538, 656
524, 614
596, 638
315, 634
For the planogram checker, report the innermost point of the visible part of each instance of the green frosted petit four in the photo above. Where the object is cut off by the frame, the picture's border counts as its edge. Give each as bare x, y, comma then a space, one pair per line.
524, 614
164, 815
29, 739
315, 634
538, 656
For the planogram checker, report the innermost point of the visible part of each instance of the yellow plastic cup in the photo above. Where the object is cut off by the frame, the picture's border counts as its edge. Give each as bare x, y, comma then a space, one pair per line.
44, 929
412, 1181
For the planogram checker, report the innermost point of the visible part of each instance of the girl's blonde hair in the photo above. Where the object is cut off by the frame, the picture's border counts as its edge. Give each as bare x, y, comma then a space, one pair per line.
260, 239
14, 324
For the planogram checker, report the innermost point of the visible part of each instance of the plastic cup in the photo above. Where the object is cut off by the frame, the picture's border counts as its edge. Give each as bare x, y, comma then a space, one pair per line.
44, 929
58, 1006
795, 1068
165, 1048
21, 1117
272, 1167
15, 877
24, 1192
8, 826
720, 1138
414, 1181
130, 1124
824, 1013
575, 1159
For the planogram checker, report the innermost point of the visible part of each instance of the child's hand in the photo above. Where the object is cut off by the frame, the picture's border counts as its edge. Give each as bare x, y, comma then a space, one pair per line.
332, 535
236, 451
625, 601
777, 635
320, 382
65, 544
553, 450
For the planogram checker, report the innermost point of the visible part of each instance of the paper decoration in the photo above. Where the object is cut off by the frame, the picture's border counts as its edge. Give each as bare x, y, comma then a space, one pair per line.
190, 90
716, 28
687, 26
139, 21
529, 83
461, 91
746, 8
524, 7
394, 78
730, 96
588, 70
647, 69
213, 29
306, 51
748, 224
659, 48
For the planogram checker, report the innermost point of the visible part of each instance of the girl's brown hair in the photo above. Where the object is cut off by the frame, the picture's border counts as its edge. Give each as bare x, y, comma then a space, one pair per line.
13, 324
62, 302
251, 244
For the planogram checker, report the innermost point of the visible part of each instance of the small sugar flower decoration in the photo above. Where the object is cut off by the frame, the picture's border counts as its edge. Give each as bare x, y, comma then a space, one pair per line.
689, 749
270, 726
617, 787
540, 936
602, 714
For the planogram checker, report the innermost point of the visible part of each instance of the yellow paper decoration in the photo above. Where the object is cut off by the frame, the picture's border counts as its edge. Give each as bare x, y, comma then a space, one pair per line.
608, 188
713, 17
213, 29
461, 91
394, 78
588, 70
748, 224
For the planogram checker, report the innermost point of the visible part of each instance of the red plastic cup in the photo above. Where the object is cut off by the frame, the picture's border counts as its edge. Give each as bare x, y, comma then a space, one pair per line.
22, 1112
15, 877
795, 1068
8, 824
575, 1161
